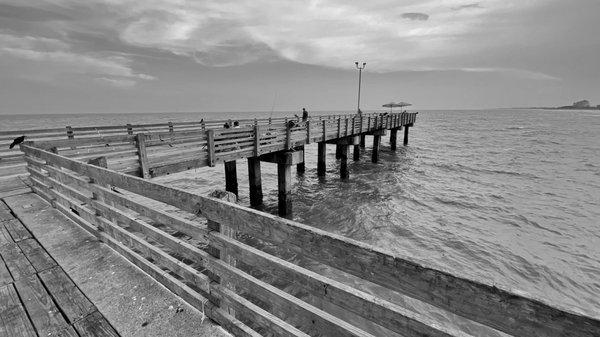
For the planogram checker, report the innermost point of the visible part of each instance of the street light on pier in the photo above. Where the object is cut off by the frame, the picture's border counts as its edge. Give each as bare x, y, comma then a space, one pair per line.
360, 68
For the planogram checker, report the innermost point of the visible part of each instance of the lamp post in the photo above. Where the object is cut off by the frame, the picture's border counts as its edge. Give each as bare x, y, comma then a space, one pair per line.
360, 68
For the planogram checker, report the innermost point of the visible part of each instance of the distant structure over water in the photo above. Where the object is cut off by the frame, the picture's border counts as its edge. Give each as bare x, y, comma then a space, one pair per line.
579, 105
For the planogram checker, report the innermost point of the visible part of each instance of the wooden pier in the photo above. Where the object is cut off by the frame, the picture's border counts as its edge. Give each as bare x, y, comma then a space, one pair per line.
259, 274
160, 150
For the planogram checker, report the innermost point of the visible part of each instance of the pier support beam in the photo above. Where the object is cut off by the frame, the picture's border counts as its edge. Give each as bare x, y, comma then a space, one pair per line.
362, 140
321, 153
406, 134
337, 151
393, 138
356, 153
255, 181
376, 143
301, 167
284, 160
231, 184
284, 186
344, 162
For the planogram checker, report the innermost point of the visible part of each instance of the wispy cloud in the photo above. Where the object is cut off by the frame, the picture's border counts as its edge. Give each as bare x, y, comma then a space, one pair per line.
415, 16
468, 6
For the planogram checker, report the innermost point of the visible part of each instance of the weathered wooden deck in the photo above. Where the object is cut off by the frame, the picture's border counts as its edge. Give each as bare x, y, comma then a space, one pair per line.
37, 297
259, 274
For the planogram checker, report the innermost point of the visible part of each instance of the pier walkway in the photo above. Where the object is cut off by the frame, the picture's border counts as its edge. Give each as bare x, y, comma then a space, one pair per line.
58, 280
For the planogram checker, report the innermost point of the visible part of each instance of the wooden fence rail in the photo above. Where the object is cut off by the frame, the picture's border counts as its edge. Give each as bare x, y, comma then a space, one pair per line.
152, 154
232, 262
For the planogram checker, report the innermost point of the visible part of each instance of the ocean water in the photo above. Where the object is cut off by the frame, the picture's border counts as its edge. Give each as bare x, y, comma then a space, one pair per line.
511, 197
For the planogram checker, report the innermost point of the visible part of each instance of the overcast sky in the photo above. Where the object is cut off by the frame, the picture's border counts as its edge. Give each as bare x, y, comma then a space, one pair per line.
173, 55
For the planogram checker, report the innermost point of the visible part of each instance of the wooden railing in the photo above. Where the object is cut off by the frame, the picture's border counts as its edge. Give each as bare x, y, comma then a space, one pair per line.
156, 153
244, 268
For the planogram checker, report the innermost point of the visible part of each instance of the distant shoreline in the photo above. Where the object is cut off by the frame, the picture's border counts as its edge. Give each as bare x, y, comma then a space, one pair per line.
561, 108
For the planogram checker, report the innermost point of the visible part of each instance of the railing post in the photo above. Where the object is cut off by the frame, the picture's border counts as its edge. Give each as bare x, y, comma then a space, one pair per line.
210, 147
140, 140
308, 135
288, 137
339, 127
324, 130
256, 140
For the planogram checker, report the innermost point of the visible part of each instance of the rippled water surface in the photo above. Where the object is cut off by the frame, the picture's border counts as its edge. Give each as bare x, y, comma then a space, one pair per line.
507, 196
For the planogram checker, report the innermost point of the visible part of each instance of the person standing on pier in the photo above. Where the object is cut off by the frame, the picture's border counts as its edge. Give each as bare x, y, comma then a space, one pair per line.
304, 115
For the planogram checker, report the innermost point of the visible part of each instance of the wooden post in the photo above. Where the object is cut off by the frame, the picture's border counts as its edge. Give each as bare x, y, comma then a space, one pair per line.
231, 184
362, 140
346, 132
210, 147
308, 135
254, 178
356, 154
288, 137
406, 135
337, 151
257, 140
324, 130
393, 136
129, 129
375, 154
301, 167
140, 140
339, 127
284, 180
344, 161
321, 153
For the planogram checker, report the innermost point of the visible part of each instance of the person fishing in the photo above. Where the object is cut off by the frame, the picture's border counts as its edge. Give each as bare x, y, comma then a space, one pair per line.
304, 115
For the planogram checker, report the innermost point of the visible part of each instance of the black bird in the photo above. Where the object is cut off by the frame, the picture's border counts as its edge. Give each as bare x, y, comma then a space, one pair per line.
17, 141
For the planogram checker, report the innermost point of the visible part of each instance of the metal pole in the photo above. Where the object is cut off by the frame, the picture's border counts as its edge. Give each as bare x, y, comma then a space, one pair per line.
360, 68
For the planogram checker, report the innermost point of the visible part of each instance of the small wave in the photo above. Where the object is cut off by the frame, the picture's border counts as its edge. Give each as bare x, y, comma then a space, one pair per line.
537, 225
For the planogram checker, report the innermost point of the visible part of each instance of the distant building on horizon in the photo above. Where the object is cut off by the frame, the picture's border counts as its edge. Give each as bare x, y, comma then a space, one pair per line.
582, 104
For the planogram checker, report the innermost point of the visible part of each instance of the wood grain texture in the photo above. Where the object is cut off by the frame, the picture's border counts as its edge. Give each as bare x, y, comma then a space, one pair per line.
13, 318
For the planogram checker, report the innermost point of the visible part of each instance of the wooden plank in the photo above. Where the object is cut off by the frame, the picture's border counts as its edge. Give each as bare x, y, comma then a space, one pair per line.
13, 318
5, 277
5, 215
37, 256
265, 319
188, 227
157, 255
15, 261
95, 325
16, 230
284, 304
65, 293
44, 313
386, 314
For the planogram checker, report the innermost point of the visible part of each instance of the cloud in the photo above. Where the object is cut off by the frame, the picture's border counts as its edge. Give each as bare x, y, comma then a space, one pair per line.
469, 6
57, 58
328, 33
415, 16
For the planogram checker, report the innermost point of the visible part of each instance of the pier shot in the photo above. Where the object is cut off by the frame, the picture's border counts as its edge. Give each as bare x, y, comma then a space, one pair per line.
259, 274
154, 150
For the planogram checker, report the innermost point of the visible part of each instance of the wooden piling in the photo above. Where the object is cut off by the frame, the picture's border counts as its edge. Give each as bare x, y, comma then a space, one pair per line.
376, 143
284, 182
406, 135
337, 151
255, 181
231, 184
344, 174
362, 141
393, 136
301, 167
356, 154
321, 153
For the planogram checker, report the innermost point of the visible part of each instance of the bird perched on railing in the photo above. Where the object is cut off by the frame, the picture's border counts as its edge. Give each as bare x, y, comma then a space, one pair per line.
17, 141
